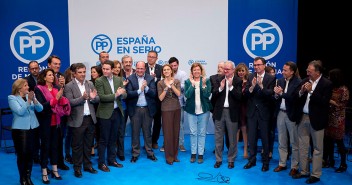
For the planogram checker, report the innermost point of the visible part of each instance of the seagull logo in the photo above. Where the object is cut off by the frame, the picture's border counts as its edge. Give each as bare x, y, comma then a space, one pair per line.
30, 32
31, 41
262, 37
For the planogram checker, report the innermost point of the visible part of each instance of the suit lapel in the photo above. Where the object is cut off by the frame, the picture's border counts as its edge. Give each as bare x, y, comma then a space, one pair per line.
106, 81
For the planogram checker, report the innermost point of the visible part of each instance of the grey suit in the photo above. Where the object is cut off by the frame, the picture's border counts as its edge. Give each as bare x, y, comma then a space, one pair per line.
82, 125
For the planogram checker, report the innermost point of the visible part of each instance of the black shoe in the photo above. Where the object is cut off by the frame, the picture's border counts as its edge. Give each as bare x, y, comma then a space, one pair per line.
68, 159
103, 168
78, 173
63, 167
231, 165
91, 170
122, 158
342, 168
45, 179
29, 181
299, 176
134, 159
152, 157
193, 158
115, 164
249, 165
217, 164
265, 167
312, 180
53, 175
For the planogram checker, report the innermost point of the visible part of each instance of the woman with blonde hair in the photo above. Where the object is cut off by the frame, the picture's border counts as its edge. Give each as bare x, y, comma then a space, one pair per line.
198, 106
242, 71
23, 104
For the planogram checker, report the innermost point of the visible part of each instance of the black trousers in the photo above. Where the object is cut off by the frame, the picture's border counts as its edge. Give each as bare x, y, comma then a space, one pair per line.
24, 143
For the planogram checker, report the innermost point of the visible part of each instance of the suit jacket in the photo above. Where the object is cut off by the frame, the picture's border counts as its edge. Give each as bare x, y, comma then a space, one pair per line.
107, 96
31, 82
23, 114
74, 95
157, 71
214, 79
291, 96
191, 96
318, 103
260, 99
234, 98
132, 94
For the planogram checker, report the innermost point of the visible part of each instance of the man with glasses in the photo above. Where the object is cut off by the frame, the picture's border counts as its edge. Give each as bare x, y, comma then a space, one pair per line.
228, 92
259, 90
313, 108
154, 69
34, 69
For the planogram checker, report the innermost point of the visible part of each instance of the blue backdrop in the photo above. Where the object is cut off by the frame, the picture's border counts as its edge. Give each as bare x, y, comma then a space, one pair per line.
32, 30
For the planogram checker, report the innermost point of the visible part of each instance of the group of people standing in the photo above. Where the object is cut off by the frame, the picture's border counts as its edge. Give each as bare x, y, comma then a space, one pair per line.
155, 97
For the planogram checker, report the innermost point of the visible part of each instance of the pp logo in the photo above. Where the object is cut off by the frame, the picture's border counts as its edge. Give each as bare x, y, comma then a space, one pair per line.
101, 43
190, 62
161, 62
262, 38
31, 41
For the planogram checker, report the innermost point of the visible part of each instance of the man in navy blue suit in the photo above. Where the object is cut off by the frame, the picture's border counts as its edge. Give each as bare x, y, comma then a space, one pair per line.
141, 107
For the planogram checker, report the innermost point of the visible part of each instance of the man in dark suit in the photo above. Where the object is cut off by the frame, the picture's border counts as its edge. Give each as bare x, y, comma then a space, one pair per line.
154, 70
228, 92
216, 79
259, 90
314, 97
141, 93
82, 94
286, 95
110, 113
34, 69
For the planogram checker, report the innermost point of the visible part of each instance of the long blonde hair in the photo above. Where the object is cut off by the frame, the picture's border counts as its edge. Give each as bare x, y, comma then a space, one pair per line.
17, 85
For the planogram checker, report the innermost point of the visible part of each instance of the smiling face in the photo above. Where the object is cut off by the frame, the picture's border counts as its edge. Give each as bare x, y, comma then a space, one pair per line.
55, 64
167, 71
49, 78
24, 89
94, 73
80, 74
196, 72
117, 69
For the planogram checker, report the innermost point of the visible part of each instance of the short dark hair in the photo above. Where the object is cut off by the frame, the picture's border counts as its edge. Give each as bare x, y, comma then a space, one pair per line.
260, 58
318, 65
152, 51
109, 62
77, 66
173, 59
51, 58
33, 61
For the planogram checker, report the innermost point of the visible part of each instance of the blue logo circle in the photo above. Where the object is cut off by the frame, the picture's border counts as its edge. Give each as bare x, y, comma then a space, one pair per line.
101, 43
31, 41
262, 38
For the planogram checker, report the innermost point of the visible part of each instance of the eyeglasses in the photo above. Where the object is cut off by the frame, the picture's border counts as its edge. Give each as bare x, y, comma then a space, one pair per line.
151, 57
255, 65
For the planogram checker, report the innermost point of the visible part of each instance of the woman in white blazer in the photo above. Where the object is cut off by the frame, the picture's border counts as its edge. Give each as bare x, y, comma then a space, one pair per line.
23, 104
